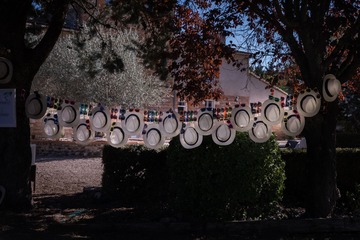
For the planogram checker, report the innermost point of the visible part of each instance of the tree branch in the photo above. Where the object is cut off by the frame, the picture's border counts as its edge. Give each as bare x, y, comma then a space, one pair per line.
38, 55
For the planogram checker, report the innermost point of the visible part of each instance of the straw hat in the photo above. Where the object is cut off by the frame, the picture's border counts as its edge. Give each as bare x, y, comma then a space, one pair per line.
100, 119
242, 118
205, 122
308, 103
190, 138
51, 126
6, 70
293, 123
83, 133
116, 137
153, 137
260, 132
223, 134
331, 88
35, 106
170, 126
272, 112
133, 122
69, 115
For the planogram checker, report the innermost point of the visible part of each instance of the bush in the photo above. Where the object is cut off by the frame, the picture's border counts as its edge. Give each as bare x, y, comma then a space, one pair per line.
348, 168
212, 182
135, 174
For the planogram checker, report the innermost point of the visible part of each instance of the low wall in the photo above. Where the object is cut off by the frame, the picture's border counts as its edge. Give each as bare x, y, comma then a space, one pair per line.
50, 149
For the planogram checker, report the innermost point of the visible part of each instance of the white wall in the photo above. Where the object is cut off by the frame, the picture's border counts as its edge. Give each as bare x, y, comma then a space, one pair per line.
240, 82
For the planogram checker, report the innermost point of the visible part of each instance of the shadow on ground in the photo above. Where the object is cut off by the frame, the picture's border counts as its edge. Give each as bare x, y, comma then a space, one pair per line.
84, 216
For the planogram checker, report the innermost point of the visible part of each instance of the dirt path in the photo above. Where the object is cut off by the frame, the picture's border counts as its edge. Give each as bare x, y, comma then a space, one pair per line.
67, 176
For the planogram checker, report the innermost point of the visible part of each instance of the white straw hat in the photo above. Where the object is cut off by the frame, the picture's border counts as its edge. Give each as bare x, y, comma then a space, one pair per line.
51, 126
293, 123
152, 136
133, 122
205, 122
100, 119
116, 137
223, 134
331, 88
190, 138
35, 106
242, 118
260, 132
170, 125
6, 70
69, 115
83, 133
308, 103
272, 112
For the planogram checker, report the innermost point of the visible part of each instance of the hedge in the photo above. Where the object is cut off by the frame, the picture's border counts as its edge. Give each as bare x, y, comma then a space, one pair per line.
239, 181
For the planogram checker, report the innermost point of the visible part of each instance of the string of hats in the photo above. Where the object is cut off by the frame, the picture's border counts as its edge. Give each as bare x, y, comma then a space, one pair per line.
119, 123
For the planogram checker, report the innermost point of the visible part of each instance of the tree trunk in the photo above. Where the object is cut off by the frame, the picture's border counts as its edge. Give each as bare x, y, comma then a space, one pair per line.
15, 160
320, 133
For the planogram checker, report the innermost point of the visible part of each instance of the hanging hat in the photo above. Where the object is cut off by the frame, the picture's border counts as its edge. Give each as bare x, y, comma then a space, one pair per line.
6, 70
51, 126
293, 123
223, 134
205, 122
331, 88
308, 103
170, 125
35, 106
190, 138
260, 132
133, 122
100, 119
116, 136
242, 118
272, 112
69, 115
152, 136
83, 133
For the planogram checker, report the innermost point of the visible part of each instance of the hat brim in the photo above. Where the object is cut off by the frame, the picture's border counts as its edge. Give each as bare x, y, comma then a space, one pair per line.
70, 122
59, 131
151, 132
132, 119
41, 100
9, 71
77, 129
265, 106
325, 91
284, 127
229, 136
170, 125
188, 143
302, 97
253, 136
120, 136
106, 114
236, 112
202, 126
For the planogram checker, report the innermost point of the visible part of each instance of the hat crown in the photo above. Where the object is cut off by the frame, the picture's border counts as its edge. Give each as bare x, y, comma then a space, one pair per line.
293, 124
116, 136
34, 106
153, 137
334, 86
205, 122
242, 119
260, 130
190, 136
50, 128
170, 125
308, 104
223, 132
68, 114
272, 113
132, 123
82, 133
99, 120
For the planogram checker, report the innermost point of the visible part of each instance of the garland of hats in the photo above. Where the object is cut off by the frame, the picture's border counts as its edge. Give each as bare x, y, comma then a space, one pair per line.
118, 123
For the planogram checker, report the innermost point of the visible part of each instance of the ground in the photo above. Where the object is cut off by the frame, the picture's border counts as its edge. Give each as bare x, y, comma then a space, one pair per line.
68, 205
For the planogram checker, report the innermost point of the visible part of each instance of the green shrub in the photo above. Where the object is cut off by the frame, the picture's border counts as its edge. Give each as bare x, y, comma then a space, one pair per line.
212, 182
135, 175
